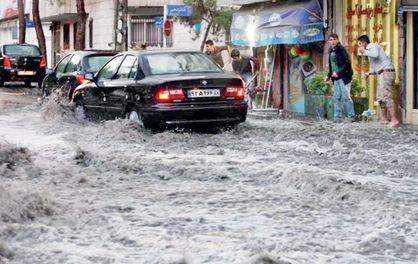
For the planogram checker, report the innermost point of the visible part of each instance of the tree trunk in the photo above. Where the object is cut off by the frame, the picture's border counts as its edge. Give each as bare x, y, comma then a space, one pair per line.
80, 42
38, 28
22, 27
206, 35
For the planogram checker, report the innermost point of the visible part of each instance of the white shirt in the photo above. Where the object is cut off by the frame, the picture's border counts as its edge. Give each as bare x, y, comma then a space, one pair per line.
377, 58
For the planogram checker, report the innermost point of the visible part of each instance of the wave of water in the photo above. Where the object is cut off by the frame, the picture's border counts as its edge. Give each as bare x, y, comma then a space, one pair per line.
270, 191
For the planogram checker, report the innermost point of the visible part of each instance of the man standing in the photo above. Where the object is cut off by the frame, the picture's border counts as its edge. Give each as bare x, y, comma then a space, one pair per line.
341, 75
216, 52
245, 67
382, 66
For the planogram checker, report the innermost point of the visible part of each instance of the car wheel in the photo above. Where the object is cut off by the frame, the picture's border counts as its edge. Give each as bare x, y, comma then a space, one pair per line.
135, 117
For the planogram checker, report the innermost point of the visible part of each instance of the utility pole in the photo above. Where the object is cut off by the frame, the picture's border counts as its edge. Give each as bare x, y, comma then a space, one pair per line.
120, 25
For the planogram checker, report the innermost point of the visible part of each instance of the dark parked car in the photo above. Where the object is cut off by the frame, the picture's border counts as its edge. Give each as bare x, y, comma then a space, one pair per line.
159, 89
21, 62
71, 70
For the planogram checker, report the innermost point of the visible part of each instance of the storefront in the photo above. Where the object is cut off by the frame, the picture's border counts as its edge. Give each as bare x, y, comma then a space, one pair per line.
273, 29
378, 20
411, 55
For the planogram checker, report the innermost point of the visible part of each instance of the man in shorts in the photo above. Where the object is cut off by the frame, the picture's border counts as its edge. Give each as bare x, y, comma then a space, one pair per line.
382, 66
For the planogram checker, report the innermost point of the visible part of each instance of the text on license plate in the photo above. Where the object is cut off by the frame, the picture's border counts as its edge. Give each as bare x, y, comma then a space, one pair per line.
26, 73
203, 93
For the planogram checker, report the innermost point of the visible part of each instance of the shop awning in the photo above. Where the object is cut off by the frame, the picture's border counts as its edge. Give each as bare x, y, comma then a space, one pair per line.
64, 18
293, 23
410, 5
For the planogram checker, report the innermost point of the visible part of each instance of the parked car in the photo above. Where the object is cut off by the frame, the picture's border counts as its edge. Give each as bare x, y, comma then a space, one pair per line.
160, 89
70, 71
21, 62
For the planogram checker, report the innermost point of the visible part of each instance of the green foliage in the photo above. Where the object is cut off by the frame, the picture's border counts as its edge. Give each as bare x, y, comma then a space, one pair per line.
317, 85
356, 87
218, 19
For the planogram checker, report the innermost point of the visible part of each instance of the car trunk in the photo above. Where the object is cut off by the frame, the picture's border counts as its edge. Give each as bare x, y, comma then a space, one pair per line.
204, 88
25, 62
23, 56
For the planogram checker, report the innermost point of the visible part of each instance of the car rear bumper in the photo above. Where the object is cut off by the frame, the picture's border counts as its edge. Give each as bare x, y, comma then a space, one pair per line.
170, 114
11, 75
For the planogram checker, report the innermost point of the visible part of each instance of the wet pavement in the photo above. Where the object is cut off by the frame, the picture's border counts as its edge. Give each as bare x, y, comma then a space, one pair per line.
15, 95
270, 191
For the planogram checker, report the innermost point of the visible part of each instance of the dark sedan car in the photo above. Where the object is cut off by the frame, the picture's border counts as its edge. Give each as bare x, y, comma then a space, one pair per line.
160, 89
21, 62
70, 71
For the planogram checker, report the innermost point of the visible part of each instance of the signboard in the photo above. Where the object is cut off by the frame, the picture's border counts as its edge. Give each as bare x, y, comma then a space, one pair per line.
167, 28
179, 10
158, 22
291, 23
29, 24
8, 8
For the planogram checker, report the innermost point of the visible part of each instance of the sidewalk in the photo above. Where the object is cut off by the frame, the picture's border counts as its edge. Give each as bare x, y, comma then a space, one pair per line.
273, 113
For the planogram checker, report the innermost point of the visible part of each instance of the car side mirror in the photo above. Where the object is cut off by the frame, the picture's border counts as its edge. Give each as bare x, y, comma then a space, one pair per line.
89, 76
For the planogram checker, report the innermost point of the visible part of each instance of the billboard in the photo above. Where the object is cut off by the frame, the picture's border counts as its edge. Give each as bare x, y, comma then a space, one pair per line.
8, 8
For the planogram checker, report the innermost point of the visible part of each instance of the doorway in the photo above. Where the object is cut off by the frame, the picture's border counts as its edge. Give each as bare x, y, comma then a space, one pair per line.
415, 84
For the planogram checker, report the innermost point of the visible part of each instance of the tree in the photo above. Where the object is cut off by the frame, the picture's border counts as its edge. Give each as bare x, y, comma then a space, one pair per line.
80, 42
218, 19
22, 27
38, 28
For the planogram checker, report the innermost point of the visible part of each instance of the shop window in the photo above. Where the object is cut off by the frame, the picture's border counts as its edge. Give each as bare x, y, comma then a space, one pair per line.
91, 33
143, 30
14, 32
66, 36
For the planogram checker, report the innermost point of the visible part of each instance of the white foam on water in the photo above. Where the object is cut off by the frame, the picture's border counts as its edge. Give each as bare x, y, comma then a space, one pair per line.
270, 191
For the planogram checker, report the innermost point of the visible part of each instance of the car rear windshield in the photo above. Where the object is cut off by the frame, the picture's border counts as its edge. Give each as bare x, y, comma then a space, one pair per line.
95, 63
21, 50
172, 63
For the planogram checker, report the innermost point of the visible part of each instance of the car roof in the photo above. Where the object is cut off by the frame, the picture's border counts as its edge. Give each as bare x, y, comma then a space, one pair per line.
95, 52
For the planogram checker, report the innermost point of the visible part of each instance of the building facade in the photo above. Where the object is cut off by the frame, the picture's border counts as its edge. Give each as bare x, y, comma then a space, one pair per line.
100, 23
409, 21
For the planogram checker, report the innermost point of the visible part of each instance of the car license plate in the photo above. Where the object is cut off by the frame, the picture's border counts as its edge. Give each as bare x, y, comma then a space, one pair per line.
26, 73
196, 93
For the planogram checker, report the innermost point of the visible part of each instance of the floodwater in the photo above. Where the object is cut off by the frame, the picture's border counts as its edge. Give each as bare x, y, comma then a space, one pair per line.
269, 191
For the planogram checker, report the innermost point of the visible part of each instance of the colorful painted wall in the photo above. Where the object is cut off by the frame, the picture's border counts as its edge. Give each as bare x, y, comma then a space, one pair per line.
377, 19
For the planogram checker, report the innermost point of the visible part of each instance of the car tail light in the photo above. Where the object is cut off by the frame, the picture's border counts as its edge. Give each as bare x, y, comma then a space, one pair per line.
168, 94
234, 91
80, 78
43, 62
6, 62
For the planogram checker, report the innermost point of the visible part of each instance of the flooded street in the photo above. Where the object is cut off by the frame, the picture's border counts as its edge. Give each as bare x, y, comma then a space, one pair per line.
17, 96
270, 191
